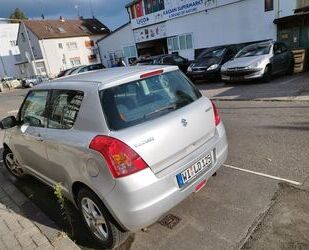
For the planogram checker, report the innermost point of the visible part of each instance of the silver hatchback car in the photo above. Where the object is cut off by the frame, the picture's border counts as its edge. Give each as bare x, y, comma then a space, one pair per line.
126, 144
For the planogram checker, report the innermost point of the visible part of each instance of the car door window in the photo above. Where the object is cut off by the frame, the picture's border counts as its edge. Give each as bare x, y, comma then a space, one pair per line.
178, 59
228, 55
64, 108
33, 112
277, 49
168, 60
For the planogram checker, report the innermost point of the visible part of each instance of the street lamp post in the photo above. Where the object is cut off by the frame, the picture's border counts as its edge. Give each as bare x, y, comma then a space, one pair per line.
21, 21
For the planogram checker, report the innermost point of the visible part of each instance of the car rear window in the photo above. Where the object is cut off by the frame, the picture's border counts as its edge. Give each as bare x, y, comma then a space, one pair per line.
136, 102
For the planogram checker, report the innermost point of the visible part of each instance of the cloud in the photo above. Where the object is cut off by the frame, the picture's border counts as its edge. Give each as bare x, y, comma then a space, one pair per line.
111, 12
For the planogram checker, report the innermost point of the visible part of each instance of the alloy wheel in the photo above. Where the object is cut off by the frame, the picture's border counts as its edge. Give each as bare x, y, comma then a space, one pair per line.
13, 165
94, 218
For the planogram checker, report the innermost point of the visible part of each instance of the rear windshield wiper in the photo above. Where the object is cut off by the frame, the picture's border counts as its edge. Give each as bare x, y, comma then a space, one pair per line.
169, 107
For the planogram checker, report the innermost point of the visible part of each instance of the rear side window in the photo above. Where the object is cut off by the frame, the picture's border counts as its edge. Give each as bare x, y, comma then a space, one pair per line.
64, 108
33, 112
137, 102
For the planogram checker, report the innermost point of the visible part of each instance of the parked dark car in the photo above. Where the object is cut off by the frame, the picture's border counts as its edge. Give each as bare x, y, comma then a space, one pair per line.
87, 68
31, 81
66, 72
208, 63
169, 59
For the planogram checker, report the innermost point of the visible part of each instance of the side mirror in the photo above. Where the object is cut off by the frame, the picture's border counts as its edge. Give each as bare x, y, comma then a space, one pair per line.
8, 122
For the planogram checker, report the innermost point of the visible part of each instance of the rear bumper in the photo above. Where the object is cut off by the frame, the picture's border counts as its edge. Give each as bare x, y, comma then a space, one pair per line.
139, 200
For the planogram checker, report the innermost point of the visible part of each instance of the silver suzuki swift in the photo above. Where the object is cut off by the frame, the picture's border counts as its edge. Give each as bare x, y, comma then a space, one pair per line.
125, 144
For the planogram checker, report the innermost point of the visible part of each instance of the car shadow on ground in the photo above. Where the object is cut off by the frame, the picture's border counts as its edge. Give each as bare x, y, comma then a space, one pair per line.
43, 197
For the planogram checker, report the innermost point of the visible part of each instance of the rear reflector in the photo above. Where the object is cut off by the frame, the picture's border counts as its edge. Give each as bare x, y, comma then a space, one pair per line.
216, 114
121, 159
200, 186
153, 73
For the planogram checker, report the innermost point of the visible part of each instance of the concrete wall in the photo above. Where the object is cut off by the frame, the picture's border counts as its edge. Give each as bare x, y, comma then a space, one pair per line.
9, 53
115, 42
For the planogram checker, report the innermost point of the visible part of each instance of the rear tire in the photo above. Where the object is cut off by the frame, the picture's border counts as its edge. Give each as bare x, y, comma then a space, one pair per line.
11, 164
99, 222
267, 74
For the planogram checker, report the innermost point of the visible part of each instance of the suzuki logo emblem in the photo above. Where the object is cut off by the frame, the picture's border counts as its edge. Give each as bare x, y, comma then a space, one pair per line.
184, 122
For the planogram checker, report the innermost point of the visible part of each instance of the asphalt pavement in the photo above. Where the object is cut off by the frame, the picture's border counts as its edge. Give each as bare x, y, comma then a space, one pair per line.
267, 127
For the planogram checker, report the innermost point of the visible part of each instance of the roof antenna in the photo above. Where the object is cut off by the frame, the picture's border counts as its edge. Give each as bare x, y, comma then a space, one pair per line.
91, 8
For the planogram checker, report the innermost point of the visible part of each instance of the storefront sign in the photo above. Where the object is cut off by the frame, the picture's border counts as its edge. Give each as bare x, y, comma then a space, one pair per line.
147, 12
152, 32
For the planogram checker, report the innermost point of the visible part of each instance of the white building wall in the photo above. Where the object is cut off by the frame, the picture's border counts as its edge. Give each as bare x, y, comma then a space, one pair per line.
9, 53
115, 43
228, 22
57, 59
235, 22
286, 7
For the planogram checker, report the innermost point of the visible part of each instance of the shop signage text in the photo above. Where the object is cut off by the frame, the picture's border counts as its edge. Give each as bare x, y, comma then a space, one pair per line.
171, 9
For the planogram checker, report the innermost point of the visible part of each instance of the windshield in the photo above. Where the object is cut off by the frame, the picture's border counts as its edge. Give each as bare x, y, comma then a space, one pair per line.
212, 53
139, 101
254, 50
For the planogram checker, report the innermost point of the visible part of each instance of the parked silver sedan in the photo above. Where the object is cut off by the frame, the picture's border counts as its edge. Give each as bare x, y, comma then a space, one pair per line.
259, 61
126, 144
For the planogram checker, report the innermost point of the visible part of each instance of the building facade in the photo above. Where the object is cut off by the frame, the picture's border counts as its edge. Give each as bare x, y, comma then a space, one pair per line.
9, 51
187, 26
50, 46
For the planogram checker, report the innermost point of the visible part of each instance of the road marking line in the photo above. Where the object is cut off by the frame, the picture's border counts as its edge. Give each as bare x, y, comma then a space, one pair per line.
264, 175
12, 111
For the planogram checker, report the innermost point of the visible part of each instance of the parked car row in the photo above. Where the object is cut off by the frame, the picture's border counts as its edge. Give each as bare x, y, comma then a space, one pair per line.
232, 63
168, 59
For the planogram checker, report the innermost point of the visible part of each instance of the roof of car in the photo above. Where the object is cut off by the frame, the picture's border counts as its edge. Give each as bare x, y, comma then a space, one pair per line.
110, 76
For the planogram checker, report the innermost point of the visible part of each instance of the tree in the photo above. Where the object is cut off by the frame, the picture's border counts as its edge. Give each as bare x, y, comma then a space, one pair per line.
18, 14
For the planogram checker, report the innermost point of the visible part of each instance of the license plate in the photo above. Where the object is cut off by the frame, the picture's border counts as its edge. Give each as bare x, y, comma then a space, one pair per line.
237, 78
187, 175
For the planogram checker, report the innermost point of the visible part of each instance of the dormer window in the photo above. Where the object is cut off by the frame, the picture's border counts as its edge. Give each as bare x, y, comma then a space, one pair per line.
61, 30
83, 28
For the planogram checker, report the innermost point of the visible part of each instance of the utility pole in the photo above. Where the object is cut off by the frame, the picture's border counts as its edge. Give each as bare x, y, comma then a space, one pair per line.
21, 22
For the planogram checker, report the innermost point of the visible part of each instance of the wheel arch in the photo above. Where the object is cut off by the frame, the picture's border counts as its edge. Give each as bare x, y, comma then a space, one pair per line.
78, 185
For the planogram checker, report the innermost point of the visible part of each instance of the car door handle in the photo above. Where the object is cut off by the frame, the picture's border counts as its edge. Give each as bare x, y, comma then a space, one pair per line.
37, 137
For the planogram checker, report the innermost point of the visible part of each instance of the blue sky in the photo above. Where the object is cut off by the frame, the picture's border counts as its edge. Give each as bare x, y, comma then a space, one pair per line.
111, 12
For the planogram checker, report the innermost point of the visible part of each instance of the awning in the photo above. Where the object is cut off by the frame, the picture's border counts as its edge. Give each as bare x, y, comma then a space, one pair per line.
293, 18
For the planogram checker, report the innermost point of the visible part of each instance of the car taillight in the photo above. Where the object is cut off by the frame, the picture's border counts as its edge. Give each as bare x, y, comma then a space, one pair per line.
152, 73
216, 114
121, 159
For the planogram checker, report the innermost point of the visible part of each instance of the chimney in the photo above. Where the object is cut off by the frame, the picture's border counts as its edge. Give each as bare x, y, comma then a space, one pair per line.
61, 19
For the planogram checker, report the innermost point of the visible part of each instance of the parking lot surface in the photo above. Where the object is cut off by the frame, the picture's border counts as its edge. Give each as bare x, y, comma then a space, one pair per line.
267, 127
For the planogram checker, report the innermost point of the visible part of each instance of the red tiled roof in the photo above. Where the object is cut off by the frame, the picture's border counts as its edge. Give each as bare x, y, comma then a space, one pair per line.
48, 29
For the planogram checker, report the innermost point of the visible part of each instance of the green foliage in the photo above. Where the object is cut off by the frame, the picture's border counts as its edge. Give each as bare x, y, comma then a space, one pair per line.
18, 14
65, 211
59, 195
